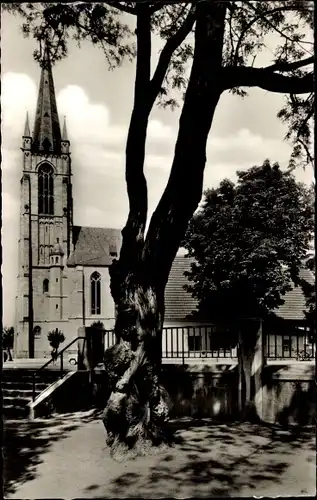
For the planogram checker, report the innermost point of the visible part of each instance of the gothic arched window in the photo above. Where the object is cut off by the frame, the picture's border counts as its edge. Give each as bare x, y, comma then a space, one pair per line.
46, 189
95, 289
45, 286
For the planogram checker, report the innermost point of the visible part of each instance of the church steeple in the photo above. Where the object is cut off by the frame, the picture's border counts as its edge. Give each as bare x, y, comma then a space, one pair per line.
47, 132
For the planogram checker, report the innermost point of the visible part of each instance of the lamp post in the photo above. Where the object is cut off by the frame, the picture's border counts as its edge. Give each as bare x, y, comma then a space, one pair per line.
30, 282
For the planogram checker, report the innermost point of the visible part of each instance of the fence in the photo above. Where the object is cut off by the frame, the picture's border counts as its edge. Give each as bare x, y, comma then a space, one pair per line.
199, 342
300, 347
185, 342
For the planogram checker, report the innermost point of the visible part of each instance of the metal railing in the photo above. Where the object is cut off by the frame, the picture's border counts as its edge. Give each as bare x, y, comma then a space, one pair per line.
60, 355
185, 342
300, 347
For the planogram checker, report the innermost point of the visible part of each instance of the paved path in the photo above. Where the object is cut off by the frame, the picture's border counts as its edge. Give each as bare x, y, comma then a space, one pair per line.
68, 458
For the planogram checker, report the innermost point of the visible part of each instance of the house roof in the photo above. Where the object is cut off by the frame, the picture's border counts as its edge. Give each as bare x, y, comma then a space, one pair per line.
179, 303
93, 246
294, 301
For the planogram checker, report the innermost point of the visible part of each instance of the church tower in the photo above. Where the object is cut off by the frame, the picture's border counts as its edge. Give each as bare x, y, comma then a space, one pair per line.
46, 220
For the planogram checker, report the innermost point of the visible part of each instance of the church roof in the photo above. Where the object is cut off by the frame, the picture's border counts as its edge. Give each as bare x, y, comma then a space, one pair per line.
94, 246
47, 132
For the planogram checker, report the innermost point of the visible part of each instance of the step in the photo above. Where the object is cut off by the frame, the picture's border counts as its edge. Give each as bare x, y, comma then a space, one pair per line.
15, 401
27, 393
12, 411
29, 375
15, 385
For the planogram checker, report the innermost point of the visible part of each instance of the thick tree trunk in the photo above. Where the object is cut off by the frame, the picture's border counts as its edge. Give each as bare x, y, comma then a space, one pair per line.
138, 406
137, 409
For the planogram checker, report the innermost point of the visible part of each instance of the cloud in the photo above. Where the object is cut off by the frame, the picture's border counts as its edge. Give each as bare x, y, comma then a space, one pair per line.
246, 147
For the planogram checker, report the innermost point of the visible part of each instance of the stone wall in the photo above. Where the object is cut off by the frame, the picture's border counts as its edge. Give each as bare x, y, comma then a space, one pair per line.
202, 390
289, 394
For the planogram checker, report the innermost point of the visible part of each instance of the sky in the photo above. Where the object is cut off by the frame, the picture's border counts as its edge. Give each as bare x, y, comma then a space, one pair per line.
97, 104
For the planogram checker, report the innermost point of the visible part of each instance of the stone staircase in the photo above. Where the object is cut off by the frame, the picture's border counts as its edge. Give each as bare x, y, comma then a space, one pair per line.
17, 387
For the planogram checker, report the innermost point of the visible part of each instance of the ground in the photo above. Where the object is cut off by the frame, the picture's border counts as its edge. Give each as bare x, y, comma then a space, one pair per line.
67, 457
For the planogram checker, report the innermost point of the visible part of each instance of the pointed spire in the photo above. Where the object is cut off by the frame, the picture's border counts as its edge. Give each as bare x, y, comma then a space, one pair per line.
64, 134
47, 132
27, 132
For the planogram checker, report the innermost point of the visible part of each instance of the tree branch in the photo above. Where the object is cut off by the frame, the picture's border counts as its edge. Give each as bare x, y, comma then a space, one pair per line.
133, 232
143, 59
171, 45
266, 79
184, 187
285, 66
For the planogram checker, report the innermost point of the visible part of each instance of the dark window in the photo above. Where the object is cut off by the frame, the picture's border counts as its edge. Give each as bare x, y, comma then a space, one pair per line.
46, 145
194, 343
45, 286
46, 190
95, 287
56, 306
56, 280
56, 260
37, 331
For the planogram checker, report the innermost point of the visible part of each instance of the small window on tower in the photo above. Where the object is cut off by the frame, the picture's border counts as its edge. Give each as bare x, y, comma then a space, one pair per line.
45, 286
46, 115
37, 331
56, 306
56, 280
56, 260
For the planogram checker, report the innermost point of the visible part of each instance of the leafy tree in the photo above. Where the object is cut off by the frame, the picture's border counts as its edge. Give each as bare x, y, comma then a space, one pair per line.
227, 36
55, 338
248, 242
8, 340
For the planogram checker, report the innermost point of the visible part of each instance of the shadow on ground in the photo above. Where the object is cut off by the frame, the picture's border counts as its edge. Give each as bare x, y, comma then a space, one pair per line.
25, 441
222, 460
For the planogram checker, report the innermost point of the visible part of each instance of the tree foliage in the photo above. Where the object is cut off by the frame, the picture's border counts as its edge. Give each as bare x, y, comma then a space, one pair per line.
248, 241
55, 338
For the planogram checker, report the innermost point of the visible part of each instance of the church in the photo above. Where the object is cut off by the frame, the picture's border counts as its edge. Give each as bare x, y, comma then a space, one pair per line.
63, 278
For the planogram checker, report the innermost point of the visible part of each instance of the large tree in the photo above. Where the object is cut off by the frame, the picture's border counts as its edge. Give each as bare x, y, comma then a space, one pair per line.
227, 38
249, 241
